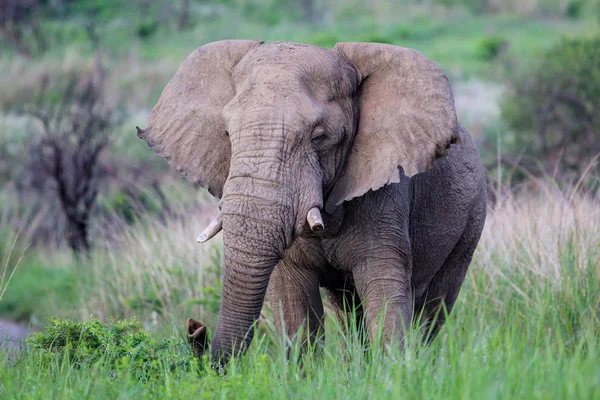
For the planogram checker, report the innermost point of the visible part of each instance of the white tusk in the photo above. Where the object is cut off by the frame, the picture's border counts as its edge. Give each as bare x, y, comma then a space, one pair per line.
212, 229
314, 219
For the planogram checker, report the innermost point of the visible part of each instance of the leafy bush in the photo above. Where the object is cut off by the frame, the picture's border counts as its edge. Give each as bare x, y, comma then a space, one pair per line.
491, 47
554, 109
122, 346
147, 29
574, 8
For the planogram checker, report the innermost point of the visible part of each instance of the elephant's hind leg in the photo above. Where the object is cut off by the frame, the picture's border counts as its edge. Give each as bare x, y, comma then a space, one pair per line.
441, 294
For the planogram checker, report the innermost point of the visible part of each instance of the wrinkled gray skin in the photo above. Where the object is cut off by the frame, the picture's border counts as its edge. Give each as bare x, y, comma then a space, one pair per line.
446, 208
274, 130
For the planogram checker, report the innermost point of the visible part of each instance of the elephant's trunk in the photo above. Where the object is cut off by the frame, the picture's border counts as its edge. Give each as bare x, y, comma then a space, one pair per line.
253, 244
258, 210
265, 202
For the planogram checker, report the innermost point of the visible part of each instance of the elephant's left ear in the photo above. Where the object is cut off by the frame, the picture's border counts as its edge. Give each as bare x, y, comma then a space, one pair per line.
407, 117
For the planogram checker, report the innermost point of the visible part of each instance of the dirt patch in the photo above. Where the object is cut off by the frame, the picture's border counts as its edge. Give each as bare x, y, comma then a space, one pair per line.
12, 333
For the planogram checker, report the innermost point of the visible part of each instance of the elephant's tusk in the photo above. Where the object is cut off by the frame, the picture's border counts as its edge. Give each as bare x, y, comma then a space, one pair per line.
314, 219
212, 229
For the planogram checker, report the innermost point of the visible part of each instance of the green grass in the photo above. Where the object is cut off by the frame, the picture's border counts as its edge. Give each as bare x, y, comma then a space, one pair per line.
526, 325
546, 349
42, 286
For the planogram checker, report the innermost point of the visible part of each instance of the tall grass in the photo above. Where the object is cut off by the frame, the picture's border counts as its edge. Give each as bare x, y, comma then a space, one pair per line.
534, 244
156, 272
539, 242
526, 324
11, 254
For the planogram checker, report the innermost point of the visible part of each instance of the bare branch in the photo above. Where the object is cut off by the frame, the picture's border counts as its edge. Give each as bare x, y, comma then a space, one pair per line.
75, 132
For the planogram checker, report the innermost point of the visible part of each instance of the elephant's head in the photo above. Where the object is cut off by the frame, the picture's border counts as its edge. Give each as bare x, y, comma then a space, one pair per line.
280, 129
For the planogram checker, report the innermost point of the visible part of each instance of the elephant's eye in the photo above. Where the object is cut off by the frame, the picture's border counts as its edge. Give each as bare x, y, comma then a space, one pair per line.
319, 138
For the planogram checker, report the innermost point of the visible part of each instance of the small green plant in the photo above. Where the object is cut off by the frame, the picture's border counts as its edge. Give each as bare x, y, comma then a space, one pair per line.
147, 29
122, 346
490, 47
574, 8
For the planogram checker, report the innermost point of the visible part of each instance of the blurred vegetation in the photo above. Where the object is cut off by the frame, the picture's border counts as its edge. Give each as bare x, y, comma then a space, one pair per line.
554, 108
40, 289
490, 47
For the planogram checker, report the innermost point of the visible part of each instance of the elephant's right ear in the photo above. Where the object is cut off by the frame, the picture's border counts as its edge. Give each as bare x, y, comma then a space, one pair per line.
186, 125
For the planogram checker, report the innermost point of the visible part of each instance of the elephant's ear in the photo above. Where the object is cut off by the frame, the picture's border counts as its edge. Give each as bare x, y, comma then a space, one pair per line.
186, 126
407, 117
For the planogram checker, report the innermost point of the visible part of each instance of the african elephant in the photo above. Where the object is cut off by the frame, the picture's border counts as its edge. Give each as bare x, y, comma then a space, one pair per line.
344, 169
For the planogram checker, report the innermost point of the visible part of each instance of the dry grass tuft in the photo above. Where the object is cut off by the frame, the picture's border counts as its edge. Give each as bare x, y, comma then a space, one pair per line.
157, 272
537, 245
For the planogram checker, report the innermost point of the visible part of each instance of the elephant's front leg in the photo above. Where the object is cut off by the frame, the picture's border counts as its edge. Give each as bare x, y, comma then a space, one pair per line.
375, 246
295, 299
383, 282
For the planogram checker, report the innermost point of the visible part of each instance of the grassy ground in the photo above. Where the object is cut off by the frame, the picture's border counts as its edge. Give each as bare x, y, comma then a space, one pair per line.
526, 324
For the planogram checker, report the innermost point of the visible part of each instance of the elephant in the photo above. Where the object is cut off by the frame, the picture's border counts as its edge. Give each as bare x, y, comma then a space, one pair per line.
342, 169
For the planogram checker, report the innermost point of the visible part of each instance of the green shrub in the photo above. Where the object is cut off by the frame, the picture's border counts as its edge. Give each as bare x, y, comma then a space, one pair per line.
574, 8
122, 346
554, 108
147, 29
491, 47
